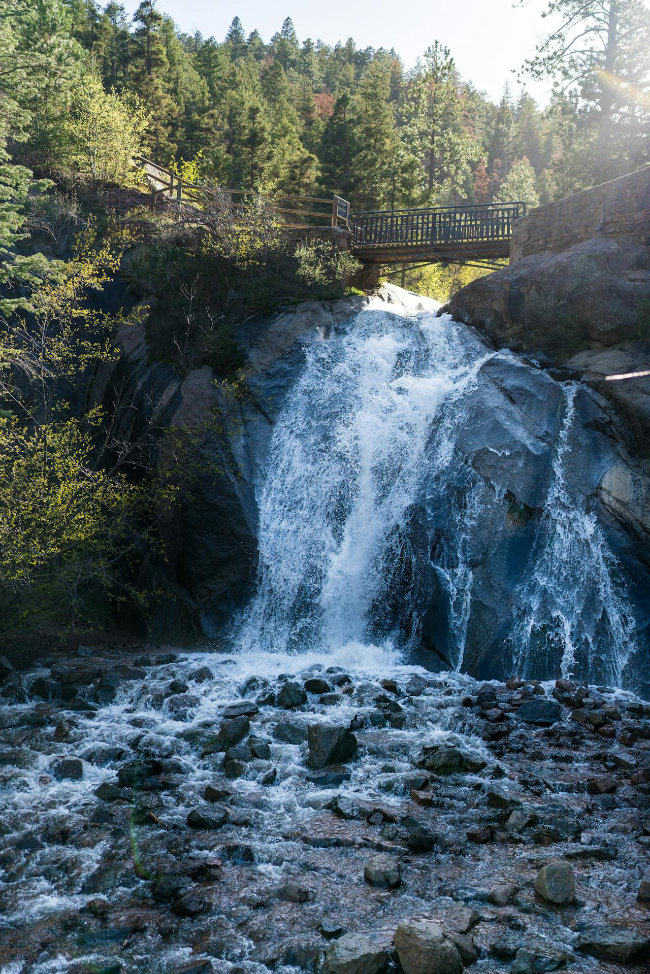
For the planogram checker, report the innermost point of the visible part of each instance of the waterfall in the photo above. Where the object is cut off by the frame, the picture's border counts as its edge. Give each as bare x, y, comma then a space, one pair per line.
367, 455
573, 614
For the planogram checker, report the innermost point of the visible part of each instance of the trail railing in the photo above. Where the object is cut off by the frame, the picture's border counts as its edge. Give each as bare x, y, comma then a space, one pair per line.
296, 212
420, 229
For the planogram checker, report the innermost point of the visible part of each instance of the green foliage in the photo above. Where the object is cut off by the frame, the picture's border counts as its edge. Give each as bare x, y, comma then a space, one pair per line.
520, 185
105, 132
324, 268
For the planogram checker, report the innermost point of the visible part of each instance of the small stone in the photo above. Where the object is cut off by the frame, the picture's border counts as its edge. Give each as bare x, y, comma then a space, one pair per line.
292, 893
502, 894
98, 906
242, 708
449, 759
382, 872
555, 883
355, 954
214, 819
62, 731
617, 944
422, 948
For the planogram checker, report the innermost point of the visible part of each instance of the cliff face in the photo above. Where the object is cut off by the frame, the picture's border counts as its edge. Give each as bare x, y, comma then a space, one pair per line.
506, 442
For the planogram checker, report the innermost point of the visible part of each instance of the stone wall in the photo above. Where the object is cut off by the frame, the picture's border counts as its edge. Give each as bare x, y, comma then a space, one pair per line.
618, 209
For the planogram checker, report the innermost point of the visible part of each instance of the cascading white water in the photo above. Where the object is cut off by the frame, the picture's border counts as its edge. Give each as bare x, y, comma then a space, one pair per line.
370, 433
570, 605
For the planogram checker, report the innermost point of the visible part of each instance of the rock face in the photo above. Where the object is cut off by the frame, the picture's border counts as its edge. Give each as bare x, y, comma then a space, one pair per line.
422, 948
504, 448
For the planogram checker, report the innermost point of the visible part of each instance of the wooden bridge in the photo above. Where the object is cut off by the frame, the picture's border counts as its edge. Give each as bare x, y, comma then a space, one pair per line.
477, 233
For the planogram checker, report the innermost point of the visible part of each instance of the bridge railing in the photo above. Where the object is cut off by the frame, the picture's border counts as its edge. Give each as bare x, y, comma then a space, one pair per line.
413, 228
295, 212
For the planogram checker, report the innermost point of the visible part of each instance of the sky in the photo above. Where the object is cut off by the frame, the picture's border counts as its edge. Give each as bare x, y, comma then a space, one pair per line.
488, 38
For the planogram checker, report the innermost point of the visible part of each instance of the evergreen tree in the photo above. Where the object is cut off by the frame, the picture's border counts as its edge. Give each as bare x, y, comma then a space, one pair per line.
520, 186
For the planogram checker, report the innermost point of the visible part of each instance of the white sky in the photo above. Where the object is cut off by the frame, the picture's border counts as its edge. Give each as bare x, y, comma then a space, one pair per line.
488, 38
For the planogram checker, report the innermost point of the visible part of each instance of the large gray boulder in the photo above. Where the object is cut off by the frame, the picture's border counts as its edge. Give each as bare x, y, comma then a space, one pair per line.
555, 883
422, 948
355, 954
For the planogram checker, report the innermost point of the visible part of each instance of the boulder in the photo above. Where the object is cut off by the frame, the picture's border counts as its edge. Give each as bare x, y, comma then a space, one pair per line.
70, 768
291, 695
382, 872
330, 744
449, 759
555, 883
423, 948
540, 712
617, 944
355, 954
212, 819
231, 732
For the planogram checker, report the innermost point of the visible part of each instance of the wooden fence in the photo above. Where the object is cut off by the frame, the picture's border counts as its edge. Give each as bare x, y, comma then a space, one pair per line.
295, 212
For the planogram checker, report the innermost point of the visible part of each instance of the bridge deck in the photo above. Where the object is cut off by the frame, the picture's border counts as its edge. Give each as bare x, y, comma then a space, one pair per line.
443, 233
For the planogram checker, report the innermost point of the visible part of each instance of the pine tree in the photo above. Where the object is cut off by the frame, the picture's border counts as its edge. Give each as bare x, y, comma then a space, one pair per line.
520, 186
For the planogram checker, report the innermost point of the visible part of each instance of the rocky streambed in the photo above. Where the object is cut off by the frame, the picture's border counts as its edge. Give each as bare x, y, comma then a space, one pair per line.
194, 812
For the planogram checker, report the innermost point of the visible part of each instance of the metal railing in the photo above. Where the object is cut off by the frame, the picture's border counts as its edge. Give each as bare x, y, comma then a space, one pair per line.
418, 228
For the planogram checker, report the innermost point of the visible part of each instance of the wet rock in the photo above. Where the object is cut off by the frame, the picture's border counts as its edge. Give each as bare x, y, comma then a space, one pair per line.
241, 752
464, 945
290, 732
643, 896
603, 785
69, 768
191, 904
197, 966
270, 777
555, 883
355, 954
449, 759
317, 686
330, 778
165, 889
238, 853
418, 838
541, 713
231, 732
422, 948
292, 893
259, 748
234, 768
203, 675
382, 872
502, 894
617, 944
98, 907
519, 820
145, 808
538, 959
212, 819
243, 708
330, 744
217, 793
176, 687
304, 956
291, 695
461, 918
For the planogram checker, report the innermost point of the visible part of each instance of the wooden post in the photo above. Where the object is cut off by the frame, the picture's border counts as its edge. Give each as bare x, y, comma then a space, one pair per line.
335, 211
